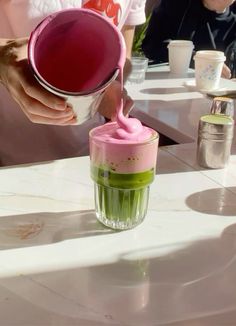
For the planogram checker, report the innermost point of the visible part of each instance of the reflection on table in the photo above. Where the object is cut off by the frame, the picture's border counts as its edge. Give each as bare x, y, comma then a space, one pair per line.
169, 104
59, 266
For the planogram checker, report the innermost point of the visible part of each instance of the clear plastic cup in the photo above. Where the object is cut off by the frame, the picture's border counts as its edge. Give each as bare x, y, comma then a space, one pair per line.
180, 53
122, 174
208, 69
139, 68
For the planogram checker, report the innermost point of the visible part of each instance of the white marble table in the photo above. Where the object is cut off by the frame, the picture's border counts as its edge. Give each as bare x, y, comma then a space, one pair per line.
60, 267
165, 104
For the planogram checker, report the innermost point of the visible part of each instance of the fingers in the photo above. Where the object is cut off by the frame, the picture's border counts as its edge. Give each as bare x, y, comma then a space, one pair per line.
43, 119
111, 100
35, 107
39, 113
33, 89
46, 98
226, 73
58, 122
38, 104
128, 106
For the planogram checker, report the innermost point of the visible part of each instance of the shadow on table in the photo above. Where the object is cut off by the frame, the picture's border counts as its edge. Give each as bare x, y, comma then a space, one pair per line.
217, 201
186, 283
36, 229
165, 165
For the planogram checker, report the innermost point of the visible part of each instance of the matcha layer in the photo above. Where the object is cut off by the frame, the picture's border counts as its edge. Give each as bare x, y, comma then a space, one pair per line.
122, 180
121, 199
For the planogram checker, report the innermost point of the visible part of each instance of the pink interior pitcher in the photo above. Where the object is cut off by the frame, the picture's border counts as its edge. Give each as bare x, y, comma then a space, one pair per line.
75, 51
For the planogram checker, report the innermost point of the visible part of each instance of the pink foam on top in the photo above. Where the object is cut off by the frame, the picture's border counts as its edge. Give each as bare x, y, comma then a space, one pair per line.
109, 133
130, 128
124, 155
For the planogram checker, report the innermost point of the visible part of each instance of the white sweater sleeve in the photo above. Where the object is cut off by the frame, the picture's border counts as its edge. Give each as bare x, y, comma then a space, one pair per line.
136, 15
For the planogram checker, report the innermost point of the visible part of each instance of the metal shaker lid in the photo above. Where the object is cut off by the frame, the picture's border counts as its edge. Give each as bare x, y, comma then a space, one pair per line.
218, 126
223, 105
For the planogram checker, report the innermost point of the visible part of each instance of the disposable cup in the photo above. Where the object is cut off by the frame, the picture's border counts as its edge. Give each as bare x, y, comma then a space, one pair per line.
180, 53
208, 69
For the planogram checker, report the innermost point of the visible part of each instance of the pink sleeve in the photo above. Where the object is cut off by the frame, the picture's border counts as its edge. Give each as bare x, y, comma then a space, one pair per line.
136, 15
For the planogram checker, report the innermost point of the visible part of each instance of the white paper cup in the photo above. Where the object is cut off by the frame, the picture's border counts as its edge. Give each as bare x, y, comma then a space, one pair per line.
208, 69
180, 52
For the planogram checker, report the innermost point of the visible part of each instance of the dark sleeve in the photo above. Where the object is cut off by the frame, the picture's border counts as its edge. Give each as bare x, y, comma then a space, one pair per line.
230, 53
163, 26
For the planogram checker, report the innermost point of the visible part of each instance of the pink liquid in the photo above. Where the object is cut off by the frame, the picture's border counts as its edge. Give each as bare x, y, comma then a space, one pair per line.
122, 155
129, 129
75, 50
71, 66
125, 145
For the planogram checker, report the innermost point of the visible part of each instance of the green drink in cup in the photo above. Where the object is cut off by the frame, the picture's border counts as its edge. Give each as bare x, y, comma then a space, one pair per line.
122, 170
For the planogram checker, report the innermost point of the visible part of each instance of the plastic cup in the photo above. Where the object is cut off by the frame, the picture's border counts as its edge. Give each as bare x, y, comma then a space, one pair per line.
139, 67
122, 174
180, 53
208, 69
76, 53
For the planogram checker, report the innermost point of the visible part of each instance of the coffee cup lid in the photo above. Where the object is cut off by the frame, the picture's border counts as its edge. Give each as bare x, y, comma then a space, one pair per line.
211, 55
181, 43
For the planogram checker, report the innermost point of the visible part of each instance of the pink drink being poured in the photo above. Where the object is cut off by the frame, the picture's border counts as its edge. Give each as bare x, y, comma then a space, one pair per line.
71, 50
74, 53
123, 161
63, 70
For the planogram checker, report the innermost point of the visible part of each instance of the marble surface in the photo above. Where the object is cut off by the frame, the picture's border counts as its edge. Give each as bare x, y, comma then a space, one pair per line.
60, 267
165, 103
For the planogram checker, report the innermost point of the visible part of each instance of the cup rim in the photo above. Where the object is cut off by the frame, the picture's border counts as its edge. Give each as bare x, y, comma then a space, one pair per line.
180, 43
94, 91
141, 58
210, 55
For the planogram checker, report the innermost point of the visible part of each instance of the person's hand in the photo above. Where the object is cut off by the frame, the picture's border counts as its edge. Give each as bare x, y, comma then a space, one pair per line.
111, 101
39, 105
226, 73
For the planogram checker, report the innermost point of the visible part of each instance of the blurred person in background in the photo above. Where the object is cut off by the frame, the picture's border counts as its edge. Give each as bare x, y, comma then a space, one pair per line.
209, 24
